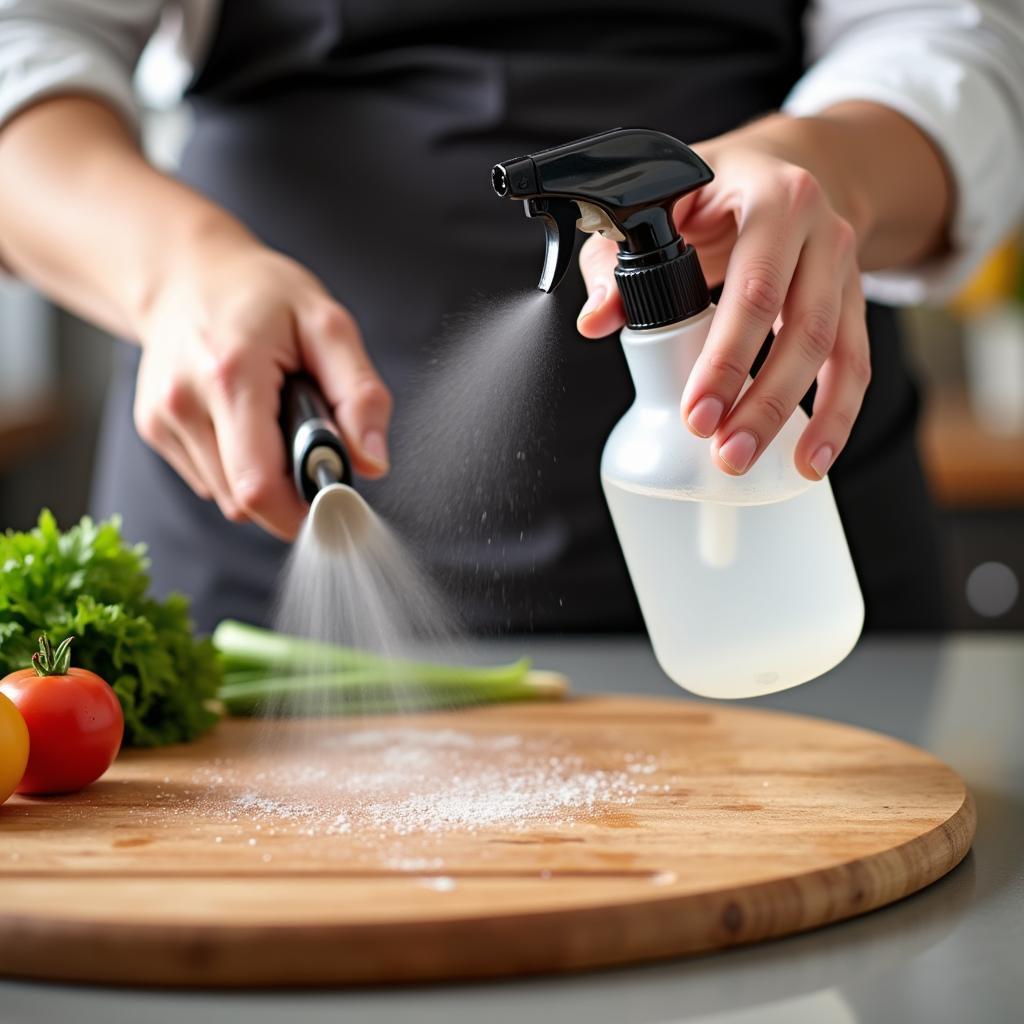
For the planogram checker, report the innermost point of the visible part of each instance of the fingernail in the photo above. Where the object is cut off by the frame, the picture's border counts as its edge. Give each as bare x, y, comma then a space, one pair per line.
594, 300
821, 460
704, 416
738, 451
376, 447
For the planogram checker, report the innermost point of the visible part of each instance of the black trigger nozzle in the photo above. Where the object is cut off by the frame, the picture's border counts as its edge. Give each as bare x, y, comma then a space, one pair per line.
622, 184
559, 217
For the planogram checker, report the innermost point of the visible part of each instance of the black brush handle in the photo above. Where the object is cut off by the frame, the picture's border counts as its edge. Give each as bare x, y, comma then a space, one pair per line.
307, 424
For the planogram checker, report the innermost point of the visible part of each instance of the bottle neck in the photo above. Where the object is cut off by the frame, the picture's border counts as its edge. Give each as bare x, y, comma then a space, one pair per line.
660, 360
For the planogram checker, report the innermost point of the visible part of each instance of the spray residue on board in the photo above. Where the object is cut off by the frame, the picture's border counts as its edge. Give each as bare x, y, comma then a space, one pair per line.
399, 794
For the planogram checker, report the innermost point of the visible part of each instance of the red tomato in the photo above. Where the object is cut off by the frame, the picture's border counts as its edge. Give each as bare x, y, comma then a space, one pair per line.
74, 720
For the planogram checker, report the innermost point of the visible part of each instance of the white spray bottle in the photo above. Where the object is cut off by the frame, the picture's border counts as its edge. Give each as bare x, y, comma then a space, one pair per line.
745, 583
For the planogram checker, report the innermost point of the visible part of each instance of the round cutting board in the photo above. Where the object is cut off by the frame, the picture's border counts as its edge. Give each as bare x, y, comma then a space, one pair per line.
501, 840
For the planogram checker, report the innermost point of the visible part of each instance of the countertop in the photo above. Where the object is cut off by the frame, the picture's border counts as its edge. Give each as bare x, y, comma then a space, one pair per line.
953, 952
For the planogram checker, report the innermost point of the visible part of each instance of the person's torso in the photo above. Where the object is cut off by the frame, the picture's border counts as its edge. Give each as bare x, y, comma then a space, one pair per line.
358, 138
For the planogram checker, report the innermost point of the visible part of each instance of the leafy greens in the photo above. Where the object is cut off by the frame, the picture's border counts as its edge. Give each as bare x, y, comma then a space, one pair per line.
87, 582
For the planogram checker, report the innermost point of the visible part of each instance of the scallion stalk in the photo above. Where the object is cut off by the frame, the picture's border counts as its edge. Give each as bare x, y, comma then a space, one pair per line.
292, 675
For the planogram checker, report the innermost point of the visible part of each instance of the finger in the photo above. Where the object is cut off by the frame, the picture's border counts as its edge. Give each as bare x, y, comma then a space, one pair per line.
810, 321
761, 266
332, 350
704, 220
173, 453
244, 448
602, 313
156, 414
842, 383
189, 428
684, 206
199, 441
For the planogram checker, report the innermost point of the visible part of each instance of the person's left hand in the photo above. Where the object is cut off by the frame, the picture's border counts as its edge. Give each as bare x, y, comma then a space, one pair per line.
771, 229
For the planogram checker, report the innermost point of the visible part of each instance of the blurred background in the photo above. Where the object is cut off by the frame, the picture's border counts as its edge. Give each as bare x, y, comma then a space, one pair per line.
969, 356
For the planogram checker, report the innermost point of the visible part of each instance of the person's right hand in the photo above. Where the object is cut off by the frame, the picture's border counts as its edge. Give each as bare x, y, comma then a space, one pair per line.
219, 336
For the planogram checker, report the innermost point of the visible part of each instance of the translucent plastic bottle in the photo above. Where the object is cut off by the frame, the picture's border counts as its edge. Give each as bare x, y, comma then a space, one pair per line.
745, 583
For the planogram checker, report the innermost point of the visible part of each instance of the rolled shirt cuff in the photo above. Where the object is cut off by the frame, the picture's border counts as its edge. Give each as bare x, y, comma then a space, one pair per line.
37, 62
971, 123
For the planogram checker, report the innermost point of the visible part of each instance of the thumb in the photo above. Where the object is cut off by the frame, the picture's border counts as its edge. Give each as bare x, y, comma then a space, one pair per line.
602, 313
332, 350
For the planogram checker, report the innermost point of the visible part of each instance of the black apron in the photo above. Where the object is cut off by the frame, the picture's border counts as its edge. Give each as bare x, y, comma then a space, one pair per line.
357, 138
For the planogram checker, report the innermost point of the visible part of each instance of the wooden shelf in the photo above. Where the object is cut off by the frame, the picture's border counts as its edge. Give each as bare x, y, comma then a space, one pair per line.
966, 464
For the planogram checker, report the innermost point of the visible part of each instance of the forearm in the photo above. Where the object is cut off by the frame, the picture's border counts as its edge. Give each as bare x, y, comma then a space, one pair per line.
86, 219
881, 173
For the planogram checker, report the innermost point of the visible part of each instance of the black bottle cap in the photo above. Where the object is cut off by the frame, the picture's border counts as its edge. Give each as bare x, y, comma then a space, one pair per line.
665, 293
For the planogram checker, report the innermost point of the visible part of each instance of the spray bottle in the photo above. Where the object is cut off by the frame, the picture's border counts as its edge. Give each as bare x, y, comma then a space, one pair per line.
745, 583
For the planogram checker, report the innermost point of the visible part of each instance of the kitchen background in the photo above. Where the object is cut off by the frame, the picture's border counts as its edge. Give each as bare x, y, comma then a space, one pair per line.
970, 359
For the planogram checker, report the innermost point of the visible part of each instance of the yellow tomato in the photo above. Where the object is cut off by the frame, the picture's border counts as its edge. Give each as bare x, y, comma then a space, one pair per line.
13, 747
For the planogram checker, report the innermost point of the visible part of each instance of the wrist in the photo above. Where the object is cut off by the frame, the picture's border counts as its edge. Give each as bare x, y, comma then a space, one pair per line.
202, 237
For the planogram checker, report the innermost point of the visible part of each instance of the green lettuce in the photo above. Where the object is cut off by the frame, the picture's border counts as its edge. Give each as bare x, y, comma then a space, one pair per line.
88, 583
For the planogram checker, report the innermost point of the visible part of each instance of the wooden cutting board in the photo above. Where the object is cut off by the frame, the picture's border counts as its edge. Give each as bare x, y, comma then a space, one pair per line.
502, 840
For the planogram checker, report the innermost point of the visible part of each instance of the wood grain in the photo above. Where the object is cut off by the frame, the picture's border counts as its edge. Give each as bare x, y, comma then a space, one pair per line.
751, 824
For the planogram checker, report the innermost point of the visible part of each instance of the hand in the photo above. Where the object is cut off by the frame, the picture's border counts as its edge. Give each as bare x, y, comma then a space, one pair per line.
218, 339
773, 230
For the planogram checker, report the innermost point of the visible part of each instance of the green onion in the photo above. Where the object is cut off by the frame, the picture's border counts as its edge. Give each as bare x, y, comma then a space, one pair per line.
265, 670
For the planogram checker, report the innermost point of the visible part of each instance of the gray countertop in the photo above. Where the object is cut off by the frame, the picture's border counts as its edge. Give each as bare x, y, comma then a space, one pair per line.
954, 952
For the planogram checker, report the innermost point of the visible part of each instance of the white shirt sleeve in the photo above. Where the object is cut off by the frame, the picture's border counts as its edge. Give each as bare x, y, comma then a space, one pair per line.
956, 69
48, 47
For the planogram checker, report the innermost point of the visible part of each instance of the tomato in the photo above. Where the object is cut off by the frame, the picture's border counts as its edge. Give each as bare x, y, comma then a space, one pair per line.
74, 720
13, 747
